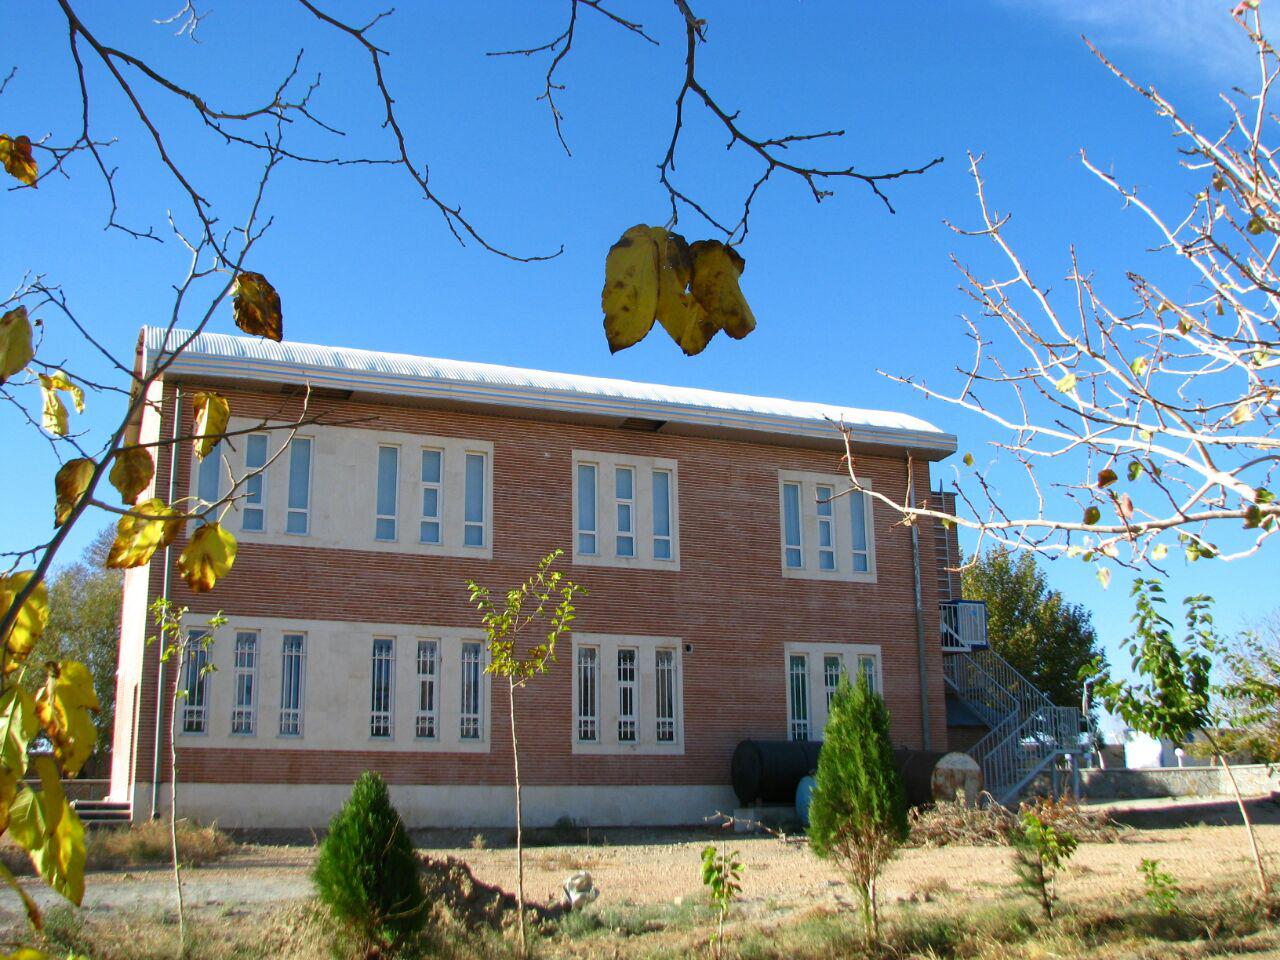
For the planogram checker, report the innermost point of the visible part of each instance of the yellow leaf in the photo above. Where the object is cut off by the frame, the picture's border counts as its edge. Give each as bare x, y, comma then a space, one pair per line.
15, 153
21, 724
45, 824
138, 537
256, 306
211, 413
132, 472
64, 703
1243, 413
69, 485
31, 619
716, 269
630, 295
1104, 577
55, 414
208, 557
680, 315
33, 913
1159, 552
15, 342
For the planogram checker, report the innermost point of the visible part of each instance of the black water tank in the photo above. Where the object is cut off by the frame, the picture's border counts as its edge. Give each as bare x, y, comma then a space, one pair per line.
770, 770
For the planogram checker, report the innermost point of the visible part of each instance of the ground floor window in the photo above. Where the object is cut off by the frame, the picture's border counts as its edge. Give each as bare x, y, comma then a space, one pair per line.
813, 674
628, 694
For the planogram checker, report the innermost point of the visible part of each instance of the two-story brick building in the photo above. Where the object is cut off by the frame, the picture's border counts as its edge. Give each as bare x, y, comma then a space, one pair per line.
729, 587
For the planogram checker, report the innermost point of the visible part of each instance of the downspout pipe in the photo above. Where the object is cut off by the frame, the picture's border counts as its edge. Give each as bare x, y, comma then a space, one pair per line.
926, 735
164, 595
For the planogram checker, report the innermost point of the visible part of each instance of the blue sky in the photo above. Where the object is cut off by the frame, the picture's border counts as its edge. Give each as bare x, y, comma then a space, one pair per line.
840, 289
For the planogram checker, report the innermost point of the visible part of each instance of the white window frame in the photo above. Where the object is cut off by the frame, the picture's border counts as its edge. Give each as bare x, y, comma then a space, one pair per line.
609, 696
382, 663
379, 516
476, 715
585, 472
640, 507
244, 716
486, 504
208, 473
437, 486
286, 718
853, 658
664, 539
586, 678
792, 548
254, 502
291, 509
799, 697
195, 684
628, 694
812, 522
426, 718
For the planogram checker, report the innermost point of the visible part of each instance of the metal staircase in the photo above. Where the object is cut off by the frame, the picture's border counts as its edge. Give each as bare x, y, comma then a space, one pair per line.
1028, 733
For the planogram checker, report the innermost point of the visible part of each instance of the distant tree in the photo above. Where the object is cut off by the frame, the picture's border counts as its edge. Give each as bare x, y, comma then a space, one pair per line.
1250, 692
1171, 697
858, 814
366, 872
84, 625
1046, 638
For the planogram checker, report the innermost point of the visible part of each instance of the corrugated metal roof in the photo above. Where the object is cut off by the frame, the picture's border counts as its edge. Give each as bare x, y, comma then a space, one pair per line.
261, 359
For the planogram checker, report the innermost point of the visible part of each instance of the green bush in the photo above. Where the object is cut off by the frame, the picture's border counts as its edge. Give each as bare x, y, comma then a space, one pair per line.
858, 815
367, 873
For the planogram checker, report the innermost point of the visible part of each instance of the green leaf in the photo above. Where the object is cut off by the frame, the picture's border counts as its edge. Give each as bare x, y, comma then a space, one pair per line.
1135, 470
1263, 495
1256, 225
1139, 366
1092, 515
968, 459
1159, 551
1104, 576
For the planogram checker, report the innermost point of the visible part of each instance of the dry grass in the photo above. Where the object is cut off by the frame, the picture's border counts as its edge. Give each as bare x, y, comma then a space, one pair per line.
989, 824
143, 844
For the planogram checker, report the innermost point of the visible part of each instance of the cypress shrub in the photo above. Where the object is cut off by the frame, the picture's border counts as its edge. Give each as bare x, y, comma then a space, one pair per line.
367, 873
858, 814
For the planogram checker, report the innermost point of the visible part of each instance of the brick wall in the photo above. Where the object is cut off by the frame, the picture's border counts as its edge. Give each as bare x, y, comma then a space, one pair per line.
729, 600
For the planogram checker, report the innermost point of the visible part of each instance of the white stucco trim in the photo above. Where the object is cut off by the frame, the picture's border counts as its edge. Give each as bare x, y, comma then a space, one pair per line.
259, 805
642, 532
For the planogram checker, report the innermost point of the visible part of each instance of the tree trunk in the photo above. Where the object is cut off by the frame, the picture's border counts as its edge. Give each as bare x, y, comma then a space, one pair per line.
173, 801
1264, 883
515, 762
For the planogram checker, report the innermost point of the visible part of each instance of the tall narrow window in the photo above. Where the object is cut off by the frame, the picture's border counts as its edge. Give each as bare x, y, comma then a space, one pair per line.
382, 688
588, 670
424, 723
209, 475
195, 684
298, 518
861, 555
791, 524
624, 480
665, 705
830, 677
826, 529
587, 508
292, 678
254, 516
662, 514
626, 695
473, 515
432, 475
244, 711
469, 711
867, 665
388, 493
798, 688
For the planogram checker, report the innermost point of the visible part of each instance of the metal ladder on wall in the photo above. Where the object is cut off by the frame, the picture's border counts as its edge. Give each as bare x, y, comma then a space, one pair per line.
1028, 732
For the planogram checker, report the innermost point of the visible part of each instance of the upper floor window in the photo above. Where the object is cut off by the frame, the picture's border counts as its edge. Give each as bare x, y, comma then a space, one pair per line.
473, 526
627, 694
384, 525
813, 674
825, 528
209, 475
253, 513
298, 517
625, 511
432, 491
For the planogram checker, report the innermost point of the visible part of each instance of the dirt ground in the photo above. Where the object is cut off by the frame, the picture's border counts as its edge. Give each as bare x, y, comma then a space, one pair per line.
655, 867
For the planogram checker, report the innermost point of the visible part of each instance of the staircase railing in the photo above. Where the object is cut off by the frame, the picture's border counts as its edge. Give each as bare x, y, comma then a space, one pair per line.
985, 695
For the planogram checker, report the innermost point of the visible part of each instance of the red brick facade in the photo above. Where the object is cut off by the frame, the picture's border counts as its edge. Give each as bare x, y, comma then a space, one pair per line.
729, 601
